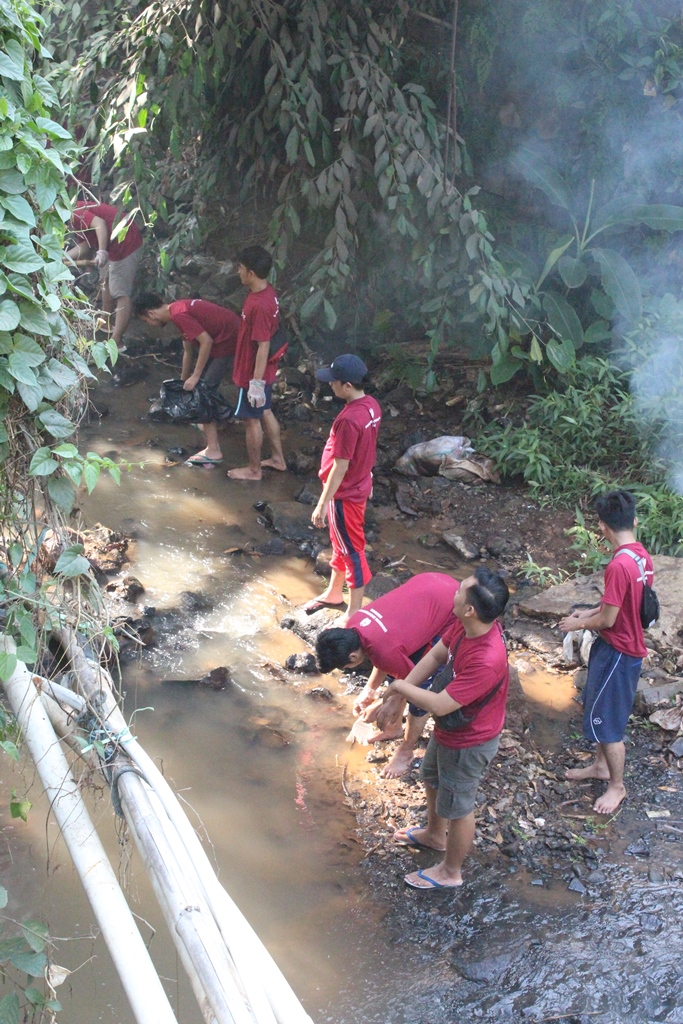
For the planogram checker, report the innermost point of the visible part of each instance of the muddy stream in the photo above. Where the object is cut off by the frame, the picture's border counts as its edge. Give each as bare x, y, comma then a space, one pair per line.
260, 766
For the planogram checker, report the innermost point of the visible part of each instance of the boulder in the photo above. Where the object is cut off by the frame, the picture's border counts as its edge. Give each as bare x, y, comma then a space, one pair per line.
461, 545
302, 663
381, 584
563, 598
290, 519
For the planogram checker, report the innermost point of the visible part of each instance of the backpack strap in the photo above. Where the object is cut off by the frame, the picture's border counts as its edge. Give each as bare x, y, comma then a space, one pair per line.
638, 559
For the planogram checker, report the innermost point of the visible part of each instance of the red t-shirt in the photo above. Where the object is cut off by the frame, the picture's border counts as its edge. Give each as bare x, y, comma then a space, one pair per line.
397, 625
624, 590
260, 321
194, 316
480, 662
117, 249
354, 437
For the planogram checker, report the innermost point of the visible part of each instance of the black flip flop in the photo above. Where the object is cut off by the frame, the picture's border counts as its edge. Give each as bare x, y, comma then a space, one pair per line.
317, 606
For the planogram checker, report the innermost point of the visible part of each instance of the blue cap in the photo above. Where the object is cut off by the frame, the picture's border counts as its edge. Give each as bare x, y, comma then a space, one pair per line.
348, 368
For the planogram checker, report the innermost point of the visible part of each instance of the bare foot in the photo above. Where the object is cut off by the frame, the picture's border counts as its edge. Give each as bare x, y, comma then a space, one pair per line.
278, 464
610, 799
591, 771
399, 763
382, 736
419, 837
433, 878
245, 473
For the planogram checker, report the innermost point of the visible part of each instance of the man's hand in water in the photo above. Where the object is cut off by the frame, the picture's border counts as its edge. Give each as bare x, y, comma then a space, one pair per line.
390, 711
365, 698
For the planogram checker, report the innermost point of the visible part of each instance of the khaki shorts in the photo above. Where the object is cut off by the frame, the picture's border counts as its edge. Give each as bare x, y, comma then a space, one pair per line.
455, 773
121, 274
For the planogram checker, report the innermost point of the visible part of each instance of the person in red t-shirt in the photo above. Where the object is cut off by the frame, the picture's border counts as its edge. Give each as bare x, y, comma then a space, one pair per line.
346, 473
117, 258
209, 340
617, 654
393, 632
260, 346
473, 654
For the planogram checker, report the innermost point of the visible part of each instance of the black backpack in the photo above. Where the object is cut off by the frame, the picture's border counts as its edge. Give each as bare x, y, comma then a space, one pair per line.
649, 605
460, 718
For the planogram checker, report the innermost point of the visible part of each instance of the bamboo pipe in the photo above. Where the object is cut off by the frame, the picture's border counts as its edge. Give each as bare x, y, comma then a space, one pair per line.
252, 959
139, 978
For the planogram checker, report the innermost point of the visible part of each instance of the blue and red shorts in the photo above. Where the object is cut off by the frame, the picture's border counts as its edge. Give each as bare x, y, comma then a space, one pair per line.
347, 534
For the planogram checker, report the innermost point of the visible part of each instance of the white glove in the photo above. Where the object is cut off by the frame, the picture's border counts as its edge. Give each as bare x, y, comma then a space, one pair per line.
257, 393
101, 258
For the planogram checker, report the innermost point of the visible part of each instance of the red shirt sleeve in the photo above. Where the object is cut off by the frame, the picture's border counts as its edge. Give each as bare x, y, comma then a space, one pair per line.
346, 437
617, 582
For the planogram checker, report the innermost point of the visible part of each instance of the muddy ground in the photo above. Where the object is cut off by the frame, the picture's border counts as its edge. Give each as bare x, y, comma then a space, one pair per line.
565, 914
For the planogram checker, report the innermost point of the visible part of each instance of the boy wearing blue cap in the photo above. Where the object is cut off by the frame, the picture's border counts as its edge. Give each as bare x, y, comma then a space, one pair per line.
346, 473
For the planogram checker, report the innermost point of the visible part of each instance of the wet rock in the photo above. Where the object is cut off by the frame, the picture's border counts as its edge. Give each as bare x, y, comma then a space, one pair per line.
177, 454
576, 885
381, 584
580, 677
404, 500
133, 632
461, 545
129, 375
676, 747
597, 877
320, 693
650, 923
639, 848
322, 561
651, 694
535, 636
192, 601
269, 737
306, 626
129, 588
309, 494
303, 413
301, 663
656, 874
290, 519
560, 600
300, 463
273, 546
502, 545
106, 550
490, 968
149, 611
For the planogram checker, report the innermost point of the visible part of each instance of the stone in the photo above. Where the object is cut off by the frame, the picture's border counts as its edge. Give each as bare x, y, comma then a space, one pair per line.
303, 413
461, 545
669, 719
560, 600
309, 494
307, 627
320, 693
490, 968
501, 545
128, 588
576, 885
380, 585
191, 601
676, 747
273, 546
322, 562
302, 663
290, 519
535, 636
300, 463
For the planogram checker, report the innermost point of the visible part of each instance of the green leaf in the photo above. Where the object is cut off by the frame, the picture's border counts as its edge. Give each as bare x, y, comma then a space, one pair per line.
91, 474
602, 304
62, 375
554, 256
52, 128
572, 271
20, 368
10, 749
35, 933
62, 492
72, 563
8, 69
30, 349
330, 314
55, 423
627, 212
292, 145
42, 463
8, 663
30, 963
560, 354
563, 319
33, 319
31, 394
597, 332
9, 315
542, 176
3, 897
9, 1009
23, 652
12, 182
620, 282
505, 369
19, 208
311, 304
22, 258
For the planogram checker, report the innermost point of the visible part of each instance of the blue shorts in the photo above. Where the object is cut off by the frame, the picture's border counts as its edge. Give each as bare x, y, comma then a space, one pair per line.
246, 411
415, 711
609, 692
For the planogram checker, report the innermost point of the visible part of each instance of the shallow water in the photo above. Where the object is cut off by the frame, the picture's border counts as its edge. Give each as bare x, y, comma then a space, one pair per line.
260, 767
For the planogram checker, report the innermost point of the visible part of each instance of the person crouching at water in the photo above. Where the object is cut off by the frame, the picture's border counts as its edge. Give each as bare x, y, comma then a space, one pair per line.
462, 746
393, 632
209, 333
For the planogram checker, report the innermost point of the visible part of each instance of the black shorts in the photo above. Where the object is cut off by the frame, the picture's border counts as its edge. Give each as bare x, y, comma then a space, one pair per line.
246, 411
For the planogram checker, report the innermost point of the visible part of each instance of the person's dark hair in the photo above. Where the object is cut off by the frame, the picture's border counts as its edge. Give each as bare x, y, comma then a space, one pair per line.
616, 509
489, 595
334, 648
145, 301
256, 259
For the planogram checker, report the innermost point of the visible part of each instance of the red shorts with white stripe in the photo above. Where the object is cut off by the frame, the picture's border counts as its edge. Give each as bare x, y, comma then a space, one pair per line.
346, 519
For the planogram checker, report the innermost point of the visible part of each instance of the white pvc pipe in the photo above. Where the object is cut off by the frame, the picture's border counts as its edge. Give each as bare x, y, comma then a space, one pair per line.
138, 975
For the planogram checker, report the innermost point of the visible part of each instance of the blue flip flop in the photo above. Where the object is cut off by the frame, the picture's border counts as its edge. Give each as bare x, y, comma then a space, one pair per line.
432, 883
411, 841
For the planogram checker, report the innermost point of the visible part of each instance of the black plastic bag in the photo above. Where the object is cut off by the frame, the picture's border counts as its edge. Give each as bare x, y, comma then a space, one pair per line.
204, 404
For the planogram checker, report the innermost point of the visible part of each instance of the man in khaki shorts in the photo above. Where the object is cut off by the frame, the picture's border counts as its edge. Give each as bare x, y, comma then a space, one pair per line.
469, 713
118, 258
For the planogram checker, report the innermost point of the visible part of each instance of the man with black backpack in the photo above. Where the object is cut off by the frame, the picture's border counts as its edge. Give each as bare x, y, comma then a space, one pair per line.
628, 604
469, 712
